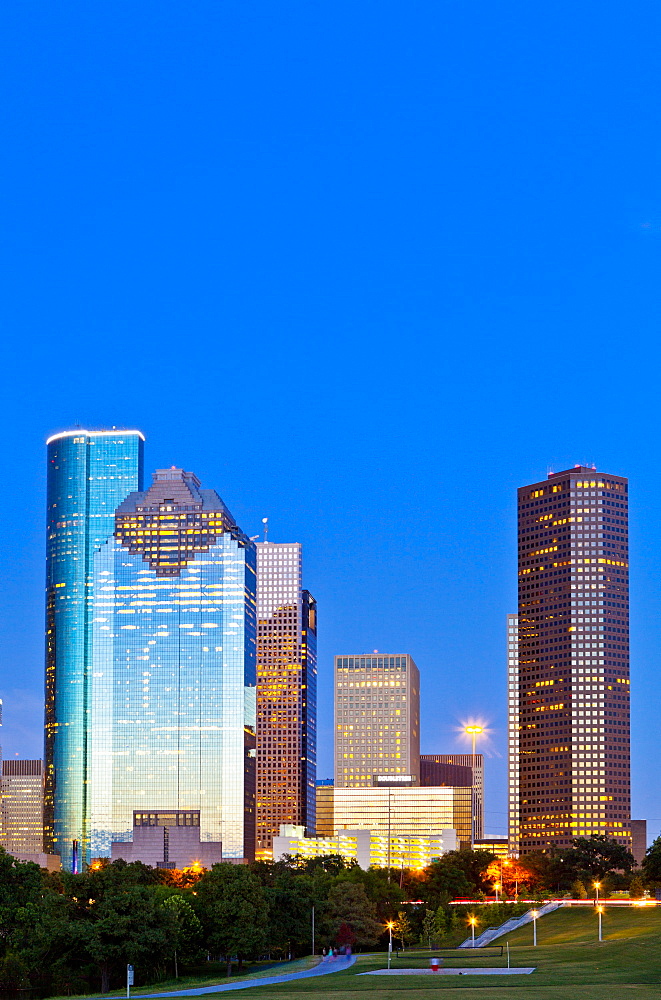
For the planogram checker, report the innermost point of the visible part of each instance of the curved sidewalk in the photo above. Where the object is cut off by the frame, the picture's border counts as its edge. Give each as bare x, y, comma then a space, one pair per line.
324, 968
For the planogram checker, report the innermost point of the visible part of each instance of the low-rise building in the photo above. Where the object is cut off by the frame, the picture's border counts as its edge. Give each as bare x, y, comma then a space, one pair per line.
366, 847
168, 839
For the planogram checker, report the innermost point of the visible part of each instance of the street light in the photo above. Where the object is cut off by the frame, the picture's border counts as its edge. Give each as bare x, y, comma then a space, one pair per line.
472, 921
535, 914
473, 731
496, 886
597, 886
390, 926
600, 910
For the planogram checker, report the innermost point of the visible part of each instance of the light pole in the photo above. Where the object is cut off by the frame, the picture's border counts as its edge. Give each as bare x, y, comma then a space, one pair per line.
473, 732
390, 927
496, 886
600, 910
472, 921
597, 886
535, 914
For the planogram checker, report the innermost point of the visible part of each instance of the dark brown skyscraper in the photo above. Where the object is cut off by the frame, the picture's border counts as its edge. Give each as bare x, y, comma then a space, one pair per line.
573, 660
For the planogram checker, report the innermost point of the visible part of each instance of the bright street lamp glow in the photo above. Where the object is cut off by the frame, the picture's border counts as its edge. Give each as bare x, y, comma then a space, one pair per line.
474, 730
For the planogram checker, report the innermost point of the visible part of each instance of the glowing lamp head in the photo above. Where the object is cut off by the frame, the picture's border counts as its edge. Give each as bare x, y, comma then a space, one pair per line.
474, 730
535, 914
597, 885
600, 909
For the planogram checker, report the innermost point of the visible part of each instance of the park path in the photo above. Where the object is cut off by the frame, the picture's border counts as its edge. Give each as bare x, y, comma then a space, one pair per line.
324, 968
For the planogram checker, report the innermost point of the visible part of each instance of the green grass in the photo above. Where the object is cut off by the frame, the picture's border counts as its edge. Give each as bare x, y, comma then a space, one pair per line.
569, 960
255, 970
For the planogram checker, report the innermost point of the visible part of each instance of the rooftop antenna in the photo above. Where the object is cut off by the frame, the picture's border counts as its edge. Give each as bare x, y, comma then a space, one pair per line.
265, 522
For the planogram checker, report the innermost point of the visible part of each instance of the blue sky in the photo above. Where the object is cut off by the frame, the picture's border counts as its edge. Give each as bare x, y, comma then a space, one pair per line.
365, 268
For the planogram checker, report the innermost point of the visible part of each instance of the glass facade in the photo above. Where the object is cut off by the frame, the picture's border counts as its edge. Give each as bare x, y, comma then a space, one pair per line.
286, 694
476, 763
406, 812
89, 474
173, 692
377, 718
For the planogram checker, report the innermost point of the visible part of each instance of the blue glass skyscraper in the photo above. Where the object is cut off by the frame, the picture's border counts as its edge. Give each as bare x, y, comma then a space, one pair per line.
89, 474
173, 690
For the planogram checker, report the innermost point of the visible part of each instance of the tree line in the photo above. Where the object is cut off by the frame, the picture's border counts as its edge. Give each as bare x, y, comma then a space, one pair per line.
65, 934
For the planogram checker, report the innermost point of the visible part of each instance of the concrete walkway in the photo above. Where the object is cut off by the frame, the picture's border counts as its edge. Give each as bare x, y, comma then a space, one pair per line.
324, 968
449, 972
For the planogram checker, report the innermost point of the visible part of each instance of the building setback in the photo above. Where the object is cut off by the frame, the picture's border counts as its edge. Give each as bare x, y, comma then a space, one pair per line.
377, 719
573, 660
286, 694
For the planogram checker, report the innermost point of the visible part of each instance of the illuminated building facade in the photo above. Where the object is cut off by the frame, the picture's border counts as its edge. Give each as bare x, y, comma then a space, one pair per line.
370, 850
286, 694
325, 820
22, 806
430, 761
89, 474
173, 688
405, 811
513, 733
573, 646
377, 718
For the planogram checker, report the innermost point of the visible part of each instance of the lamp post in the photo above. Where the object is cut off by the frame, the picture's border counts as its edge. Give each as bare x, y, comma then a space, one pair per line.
473, 732
535, 914
472, 921
390, 927
597, 886
600, 910
496, 886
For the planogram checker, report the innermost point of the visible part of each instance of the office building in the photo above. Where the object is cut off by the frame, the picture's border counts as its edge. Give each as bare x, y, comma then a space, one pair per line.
405, 810
168, 840
513, 733
325, 817
475, 762
639, 840
367, 848
286, 694
22, 806
173, 682
89, 474
377, 719
496, 845
573, 659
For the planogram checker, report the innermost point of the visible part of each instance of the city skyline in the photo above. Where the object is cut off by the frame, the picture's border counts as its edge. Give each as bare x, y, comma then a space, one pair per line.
370, 234
449, 745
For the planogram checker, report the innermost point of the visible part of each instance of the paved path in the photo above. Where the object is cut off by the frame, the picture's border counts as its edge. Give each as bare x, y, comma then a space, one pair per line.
323, 969
448, 972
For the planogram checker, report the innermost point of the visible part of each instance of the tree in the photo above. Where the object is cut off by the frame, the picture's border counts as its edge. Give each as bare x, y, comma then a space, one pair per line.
652, 862
636, 888
348, 904
429, 927
402, 929
595, 857
184, 928
446, 881
578, 890
232, 908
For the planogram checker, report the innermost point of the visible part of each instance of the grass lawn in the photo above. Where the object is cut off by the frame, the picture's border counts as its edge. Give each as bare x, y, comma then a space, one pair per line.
570, 963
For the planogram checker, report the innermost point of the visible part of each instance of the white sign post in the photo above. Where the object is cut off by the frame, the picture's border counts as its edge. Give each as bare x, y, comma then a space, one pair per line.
129, 980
